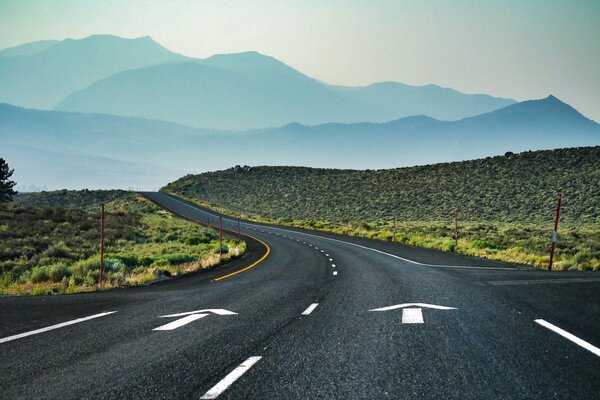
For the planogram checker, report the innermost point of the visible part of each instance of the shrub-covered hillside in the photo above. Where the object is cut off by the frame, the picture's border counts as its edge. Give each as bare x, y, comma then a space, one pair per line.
506, 203
55, 249
513, 188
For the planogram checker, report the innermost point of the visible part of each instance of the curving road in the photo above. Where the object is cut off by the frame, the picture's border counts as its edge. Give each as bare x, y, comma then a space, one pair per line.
313, 320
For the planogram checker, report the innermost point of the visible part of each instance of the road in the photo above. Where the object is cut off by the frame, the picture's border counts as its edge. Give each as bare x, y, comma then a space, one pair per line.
303, 324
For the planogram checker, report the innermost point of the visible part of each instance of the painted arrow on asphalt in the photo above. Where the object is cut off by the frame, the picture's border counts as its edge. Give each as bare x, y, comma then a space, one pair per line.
190, 316
412, 312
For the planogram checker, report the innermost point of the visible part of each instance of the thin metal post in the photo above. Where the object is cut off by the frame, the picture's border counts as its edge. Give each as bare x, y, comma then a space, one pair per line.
101, 243
220, 236
455, 227
555, 233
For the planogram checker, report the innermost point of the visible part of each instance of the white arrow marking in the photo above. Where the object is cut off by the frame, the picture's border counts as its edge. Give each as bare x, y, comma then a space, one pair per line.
218, 311
180, 322
412, 316
190, 316
422, 305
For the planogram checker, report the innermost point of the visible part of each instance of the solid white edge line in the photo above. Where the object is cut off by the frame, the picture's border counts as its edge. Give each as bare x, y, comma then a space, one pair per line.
52, 327
233, 376
310, 309
360, 246
569, 336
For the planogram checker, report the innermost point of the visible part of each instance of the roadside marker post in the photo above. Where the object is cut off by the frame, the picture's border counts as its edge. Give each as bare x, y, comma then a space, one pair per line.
220, 236
555, 233
455, 228
394, 231
239, 231
101, 243
208, 221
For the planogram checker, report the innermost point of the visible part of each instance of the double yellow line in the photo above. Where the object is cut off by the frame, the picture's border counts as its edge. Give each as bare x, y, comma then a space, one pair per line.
249, 266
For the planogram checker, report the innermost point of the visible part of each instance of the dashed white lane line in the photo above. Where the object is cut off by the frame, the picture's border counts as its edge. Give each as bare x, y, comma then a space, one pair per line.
326, 255
310, 309
334, 272
331, 259
233, 376
332, 265
52, 327
569, 336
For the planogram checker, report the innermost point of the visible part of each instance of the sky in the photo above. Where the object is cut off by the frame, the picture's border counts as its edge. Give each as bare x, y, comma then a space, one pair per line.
517, 49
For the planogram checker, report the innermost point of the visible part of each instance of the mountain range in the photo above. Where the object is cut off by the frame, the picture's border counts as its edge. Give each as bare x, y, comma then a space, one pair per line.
170, 150
109, 112
138, 77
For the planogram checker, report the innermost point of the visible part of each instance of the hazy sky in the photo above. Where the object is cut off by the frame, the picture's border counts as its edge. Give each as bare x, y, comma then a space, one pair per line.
519, 49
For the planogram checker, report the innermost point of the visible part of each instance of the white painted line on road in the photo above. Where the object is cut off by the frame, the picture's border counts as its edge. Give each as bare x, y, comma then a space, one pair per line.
316, 248
544, 281
52, 327
569, 336
218, 311
421, 305
326, 255
322, 251
180, 322
334, 272
332, 265
310, 309
412, 316
331, 259
233, 376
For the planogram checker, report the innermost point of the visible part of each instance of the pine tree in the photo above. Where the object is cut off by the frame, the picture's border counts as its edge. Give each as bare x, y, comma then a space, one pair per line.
6, 185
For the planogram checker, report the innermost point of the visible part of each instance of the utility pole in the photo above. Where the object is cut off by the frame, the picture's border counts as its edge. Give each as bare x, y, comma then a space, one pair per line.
101, 243
220, 236
555, 233
455, 228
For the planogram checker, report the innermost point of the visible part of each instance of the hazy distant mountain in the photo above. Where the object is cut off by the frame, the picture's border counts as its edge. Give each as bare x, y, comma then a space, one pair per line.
41, 74
250, 90
418, 140
52, 170
27, 49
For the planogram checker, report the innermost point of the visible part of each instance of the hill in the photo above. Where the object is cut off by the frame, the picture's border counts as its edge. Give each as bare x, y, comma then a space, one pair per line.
506, 203
250, 90
41, 74
513, 188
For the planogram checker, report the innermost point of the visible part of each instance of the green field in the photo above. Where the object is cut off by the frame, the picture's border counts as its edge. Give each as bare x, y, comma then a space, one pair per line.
47, 248
506, 203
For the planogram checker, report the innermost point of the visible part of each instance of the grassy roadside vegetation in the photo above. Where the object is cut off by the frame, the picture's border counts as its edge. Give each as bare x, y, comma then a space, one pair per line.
506, 203
49, 243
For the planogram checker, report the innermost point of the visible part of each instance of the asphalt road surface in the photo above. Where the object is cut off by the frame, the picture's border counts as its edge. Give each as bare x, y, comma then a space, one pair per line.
315, 319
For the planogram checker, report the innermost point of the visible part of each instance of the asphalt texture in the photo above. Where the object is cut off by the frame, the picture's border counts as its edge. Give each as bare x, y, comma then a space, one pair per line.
488, 347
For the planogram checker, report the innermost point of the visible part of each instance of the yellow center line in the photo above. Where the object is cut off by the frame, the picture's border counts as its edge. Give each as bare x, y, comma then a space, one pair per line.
249, 266
231, 233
